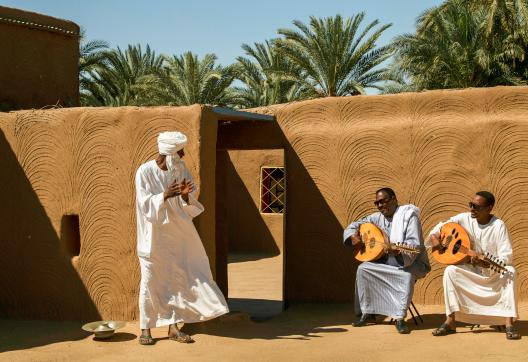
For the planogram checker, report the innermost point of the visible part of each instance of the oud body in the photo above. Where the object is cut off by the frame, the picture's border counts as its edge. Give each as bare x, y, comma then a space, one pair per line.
375, 243
455, 246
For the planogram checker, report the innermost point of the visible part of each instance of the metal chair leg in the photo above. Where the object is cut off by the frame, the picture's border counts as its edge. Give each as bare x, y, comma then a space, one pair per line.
416, 310
413, 317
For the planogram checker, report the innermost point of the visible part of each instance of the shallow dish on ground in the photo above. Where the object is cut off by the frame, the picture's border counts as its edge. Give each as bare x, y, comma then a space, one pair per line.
103, 329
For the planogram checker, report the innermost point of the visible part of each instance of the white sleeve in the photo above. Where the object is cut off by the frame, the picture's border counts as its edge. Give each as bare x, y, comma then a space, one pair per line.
150, 205
413, 236
192, 208
504, 245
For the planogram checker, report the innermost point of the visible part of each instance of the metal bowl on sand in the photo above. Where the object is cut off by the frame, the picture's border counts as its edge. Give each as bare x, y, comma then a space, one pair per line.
103, 329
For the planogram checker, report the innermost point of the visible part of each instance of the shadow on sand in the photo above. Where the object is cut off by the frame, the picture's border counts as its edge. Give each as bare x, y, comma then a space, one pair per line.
301, 322
433, 321
309, 321
24, 334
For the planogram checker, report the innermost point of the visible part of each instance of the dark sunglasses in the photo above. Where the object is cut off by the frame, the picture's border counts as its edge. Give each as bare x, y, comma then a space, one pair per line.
476, 207
382, 201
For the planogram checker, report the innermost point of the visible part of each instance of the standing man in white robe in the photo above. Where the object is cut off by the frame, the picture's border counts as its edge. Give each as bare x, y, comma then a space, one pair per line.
385, 286
176, 281
472, 292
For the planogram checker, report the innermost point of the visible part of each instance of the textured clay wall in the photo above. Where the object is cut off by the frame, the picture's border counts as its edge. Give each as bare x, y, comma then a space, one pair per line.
39, 62
248, 229
80, 161
435, 149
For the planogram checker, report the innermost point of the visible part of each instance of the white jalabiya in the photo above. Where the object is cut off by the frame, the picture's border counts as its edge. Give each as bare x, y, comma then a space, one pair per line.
476, 294
176, 281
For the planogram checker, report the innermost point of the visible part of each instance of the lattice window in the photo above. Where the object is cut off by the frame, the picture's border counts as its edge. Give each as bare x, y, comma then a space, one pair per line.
272, 190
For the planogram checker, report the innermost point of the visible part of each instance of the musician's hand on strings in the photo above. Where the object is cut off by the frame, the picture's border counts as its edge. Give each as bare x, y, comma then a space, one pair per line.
435, 241
356, 238
478, 259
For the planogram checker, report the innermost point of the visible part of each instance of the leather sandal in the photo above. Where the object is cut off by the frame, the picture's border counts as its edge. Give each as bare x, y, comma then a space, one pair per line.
443, 330
181, 337
512, 333
146, 340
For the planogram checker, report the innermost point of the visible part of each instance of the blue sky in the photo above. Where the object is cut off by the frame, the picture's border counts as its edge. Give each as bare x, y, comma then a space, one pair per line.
208, 26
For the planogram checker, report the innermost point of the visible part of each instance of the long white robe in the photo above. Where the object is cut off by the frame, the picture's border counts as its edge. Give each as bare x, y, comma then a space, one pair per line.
176, 280
476, 294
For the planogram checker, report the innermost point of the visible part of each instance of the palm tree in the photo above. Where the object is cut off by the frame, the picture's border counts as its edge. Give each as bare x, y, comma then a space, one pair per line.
188, 80
334, 58
266, 76
123, 79
92, 55
453, 48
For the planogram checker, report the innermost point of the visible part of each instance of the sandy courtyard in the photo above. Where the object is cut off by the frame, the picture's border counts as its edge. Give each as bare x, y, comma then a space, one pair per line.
304, 332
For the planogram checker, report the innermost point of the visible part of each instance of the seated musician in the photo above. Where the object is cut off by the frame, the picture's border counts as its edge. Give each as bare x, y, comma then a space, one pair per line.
474, 293
385, 286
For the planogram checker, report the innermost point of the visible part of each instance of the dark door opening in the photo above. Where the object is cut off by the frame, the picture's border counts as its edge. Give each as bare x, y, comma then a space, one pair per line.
70, 235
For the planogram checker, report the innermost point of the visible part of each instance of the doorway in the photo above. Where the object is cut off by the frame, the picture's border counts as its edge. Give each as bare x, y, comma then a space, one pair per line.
251, 205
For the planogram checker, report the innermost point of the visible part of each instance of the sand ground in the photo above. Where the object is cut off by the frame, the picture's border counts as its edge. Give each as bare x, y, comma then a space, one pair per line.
304, 332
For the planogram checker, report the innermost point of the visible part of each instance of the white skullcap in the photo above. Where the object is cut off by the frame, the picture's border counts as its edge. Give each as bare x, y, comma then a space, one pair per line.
171, 142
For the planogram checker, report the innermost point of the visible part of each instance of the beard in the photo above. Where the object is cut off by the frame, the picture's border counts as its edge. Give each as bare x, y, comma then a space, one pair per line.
176, 167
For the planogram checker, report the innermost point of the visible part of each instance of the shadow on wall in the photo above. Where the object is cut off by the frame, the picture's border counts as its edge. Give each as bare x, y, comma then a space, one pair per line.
37, 280
248, 232
318, 265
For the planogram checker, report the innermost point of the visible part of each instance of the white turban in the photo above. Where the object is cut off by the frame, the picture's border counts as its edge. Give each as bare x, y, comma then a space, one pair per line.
169, 143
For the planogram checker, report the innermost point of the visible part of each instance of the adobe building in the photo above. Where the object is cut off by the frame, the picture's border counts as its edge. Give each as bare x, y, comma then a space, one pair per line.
39, 66
68, 214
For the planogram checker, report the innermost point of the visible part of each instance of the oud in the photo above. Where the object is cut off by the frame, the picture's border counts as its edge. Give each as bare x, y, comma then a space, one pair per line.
375, 243
455, 246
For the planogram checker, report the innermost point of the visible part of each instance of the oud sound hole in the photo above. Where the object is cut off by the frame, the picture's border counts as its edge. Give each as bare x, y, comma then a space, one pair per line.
453, 231
457, 245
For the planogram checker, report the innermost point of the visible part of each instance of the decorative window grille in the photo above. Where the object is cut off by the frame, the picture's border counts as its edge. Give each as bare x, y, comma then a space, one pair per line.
272, 190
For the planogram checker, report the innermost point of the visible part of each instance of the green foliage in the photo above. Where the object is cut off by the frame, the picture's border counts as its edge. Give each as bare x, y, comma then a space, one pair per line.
334, 56
122, 78
266, 76
188, 80
463, 44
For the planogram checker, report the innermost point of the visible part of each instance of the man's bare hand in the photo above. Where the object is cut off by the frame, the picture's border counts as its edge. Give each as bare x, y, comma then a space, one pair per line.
435, 241
476, 259
391, 249
356, 238
186, 188
174, 189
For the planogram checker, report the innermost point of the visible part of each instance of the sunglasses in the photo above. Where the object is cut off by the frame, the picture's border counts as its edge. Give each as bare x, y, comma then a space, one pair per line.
382, 201
476, 207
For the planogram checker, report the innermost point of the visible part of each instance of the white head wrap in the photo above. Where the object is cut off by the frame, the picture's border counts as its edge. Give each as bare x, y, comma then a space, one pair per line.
169, 143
